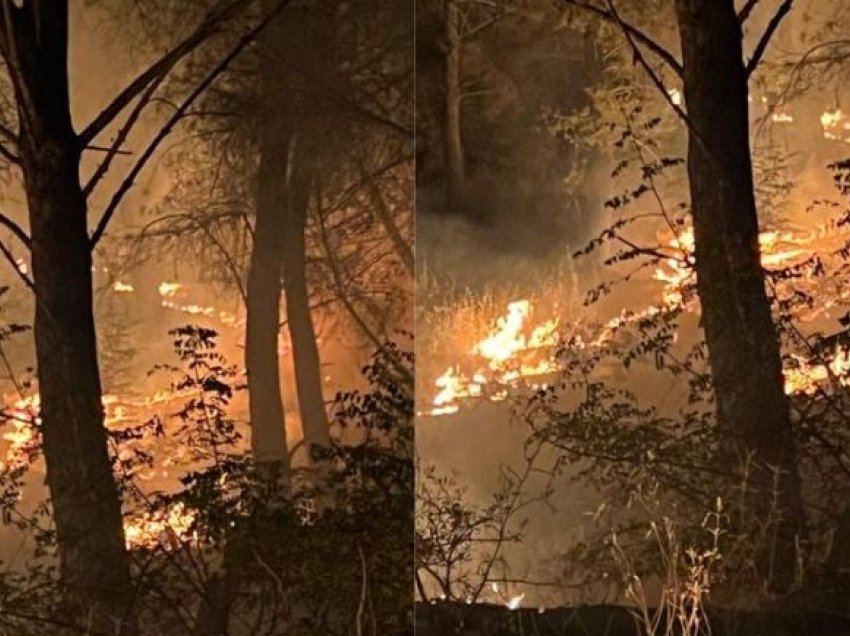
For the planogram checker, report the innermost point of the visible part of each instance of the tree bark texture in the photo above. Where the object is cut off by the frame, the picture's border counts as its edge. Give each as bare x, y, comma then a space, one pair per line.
94, 564
752, 407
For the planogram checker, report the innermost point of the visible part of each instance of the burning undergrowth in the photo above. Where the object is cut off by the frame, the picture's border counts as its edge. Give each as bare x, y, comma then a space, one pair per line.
620, 402
216, 542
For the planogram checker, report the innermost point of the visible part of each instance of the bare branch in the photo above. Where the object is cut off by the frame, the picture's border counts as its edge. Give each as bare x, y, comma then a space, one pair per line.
118, 151
5, 151
761, 47
129, 180
636, 34
16, 229
385, 216
11, 259
746, 10
653, 76
208, 27
121, 137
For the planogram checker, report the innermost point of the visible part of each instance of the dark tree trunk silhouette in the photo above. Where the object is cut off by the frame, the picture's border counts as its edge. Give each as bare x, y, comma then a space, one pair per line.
263, 316
268, 430
94, 563
305, 351
743, 346
452, 139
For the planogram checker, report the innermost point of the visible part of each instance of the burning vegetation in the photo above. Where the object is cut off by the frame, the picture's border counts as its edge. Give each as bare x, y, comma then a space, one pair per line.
658, 418
205, 424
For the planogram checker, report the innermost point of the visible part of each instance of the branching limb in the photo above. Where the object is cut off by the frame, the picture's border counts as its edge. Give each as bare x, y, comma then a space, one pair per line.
386, 218
636, 34
746, 10
773, 25
654, 78
11, 259
208, 27
16, 229
129, 180
121, 137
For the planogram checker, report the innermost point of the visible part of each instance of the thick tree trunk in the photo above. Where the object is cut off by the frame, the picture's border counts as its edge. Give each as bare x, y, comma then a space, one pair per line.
746, 368
452, 139
305, 351
94, 563
268, 430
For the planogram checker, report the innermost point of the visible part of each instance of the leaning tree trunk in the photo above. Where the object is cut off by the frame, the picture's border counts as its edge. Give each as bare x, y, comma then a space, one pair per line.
452, 139
753, 410
305, 351
94, 563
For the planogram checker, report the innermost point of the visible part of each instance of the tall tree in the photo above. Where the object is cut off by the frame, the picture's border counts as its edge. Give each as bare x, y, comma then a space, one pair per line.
299, 318
276, 144
452, 138
286, 131
746, 366
94, 564
753, 410
86, 507
323, 79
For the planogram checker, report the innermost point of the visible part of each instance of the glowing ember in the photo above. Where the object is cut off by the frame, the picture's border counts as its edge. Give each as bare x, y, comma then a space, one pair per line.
675, 96
804, 376
515, 602
123, 288
835, 125
24, 439
224, 317
169, 289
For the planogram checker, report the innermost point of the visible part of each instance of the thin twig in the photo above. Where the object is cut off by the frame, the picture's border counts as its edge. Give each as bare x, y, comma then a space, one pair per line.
638, 35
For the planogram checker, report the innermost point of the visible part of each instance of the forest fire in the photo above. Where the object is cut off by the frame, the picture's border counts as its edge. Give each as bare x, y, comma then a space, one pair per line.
170, 291
511, 353
516, 351
165, 528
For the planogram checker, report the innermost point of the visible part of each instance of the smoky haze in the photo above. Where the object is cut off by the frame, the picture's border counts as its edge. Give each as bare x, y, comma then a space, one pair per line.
516, 204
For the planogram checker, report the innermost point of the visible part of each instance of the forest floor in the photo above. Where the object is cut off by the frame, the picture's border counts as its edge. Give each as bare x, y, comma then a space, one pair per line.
445, 618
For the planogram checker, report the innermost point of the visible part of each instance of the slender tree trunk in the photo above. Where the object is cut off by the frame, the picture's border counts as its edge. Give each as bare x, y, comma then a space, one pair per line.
452, 139
746, 368
268, 430
305, 351
94, 564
